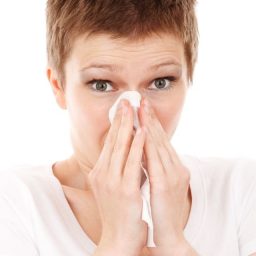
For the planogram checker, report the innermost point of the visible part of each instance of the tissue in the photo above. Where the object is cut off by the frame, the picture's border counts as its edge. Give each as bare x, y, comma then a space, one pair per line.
134, 98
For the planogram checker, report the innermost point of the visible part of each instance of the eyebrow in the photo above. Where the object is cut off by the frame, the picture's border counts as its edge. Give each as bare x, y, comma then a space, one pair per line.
110, 67
115, 68
168, 63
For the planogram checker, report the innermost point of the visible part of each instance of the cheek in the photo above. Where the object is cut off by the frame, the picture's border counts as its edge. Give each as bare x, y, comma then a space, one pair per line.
168, 115
89, 119
168, 120
93, 122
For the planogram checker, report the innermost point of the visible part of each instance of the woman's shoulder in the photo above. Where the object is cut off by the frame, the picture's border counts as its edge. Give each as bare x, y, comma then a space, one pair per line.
224, 177
237, 173
23, 180
222, 166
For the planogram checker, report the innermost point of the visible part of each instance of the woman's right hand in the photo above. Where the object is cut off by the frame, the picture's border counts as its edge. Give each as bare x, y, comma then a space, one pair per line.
115, 182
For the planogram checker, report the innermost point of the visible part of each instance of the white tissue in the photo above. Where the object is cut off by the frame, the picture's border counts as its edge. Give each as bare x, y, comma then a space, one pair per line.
134, 98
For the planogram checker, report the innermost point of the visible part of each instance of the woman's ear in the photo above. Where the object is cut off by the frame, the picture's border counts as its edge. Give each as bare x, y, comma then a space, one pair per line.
57, 89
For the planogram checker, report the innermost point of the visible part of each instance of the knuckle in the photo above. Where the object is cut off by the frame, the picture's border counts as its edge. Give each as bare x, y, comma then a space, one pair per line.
176, 181
95, 178
111, 186
120, 142
165, 188
118, 146
160, 145
185, 174
161, 187
110, 139
92, 176
112, 136
131, 162
180, 181
129, 192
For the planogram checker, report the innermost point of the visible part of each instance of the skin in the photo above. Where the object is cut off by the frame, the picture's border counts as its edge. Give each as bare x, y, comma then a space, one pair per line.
89, 125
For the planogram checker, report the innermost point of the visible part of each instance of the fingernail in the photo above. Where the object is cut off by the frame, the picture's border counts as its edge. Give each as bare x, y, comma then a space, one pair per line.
138, 131
125, 109
120, 104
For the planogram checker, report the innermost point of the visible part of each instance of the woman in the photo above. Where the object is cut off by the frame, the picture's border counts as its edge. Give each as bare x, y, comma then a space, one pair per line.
90, 203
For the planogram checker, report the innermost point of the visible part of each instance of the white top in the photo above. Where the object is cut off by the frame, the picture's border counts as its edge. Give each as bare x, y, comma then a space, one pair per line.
36, 219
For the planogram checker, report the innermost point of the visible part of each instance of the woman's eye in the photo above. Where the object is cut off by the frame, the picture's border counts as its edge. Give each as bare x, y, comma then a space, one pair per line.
100, 85
163, 83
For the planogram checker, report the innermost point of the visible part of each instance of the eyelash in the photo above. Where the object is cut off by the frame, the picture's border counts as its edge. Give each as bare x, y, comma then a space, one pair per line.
169, 78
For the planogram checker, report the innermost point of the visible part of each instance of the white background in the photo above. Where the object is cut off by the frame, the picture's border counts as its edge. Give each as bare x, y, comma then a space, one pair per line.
219, 117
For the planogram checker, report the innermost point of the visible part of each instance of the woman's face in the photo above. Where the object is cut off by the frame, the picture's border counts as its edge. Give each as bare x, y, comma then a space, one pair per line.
155, 67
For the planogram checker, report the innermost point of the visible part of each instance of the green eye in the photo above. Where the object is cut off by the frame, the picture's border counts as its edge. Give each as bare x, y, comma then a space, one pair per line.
163, 83
99, 85
160, 83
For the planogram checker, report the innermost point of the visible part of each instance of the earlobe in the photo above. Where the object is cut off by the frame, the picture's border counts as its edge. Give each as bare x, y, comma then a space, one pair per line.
56, 88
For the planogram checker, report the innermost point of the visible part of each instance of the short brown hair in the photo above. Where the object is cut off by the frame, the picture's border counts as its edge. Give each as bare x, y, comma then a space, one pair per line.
131, 19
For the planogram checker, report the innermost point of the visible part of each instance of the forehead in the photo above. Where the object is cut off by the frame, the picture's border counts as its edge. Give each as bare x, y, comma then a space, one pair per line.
102, 48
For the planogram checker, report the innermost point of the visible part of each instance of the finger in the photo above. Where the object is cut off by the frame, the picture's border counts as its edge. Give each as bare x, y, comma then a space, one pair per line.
132, 171
163, 142
161, 146
173, 170
160, 132
122, 143
153, 161
169, 168
106, 152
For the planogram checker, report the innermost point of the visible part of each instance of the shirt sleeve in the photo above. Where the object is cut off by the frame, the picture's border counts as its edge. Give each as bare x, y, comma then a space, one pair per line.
14, 238
247, 223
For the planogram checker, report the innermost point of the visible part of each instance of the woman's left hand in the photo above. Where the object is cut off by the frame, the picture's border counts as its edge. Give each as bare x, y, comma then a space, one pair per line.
169, 187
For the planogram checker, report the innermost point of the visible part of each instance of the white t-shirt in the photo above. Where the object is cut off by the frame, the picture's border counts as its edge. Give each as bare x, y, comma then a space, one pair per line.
36, 219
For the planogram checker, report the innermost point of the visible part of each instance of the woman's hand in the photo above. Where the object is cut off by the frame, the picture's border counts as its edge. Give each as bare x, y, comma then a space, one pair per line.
169, 186
115, 182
